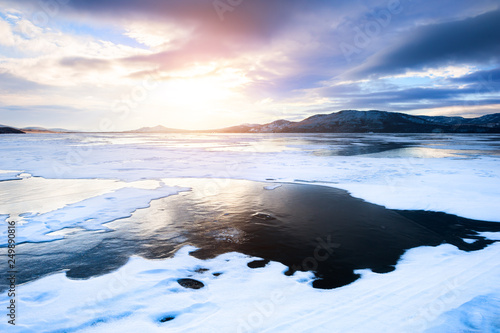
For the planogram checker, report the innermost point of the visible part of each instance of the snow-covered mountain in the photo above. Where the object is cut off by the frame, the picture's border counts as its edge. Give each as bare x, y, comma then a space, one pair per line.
490, 120
352, 121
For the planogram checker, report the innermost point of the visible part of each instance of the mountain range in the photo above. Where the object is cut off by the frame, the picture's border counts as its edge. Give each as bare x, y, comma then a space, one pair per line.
351, 121
346, 121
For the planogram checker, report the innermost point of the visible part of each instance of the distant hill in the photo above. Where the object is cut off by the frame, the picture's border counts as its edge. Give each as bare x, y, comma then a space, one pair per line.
37, 130
157, 129
9, 130
352, 121
34, 129
59, 130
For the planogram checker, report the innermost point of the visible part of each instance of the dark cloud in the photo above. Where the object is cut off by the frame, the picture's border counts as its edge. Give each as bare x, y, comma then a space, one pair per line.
474, 40
366, 103
418, 94
465, 103
354, 96
485, 81
259, 18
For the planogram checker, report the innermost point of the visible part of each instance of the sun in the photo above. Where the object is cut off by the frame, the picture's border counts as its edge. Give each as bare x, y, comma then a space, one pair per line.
195, 92
192, 90
191, 99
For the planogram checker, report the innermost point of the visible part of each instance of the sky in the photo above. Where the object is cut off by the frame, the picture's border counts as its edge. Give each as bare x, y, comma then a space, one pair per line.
109, 65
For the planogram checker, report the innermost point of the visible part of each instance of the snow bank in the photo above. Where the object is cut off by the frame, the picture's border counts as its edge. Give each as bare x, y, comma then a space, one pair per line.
426, 291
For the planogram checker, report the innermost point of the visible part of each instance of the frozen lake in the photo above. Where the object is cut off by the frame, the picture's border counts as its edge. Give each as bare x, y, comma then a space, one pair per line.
403, 227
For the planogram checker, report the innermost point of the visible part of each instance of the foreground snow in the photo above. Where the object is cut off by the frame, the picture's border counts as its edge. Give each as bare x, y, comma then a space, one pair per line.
437, 289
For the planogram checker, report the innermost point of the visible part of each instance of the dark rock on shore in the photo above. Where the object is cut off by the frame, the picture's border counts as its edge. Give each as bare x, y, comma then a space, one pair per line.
191, 283
258, 263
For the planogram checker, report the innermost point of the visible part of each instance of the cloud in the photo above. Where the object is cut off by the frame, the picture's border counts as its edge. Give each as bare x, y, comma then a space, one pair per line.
466, 90
473, 40
484, 82
419, 94
13, 84
57, 58
85, 63
259, 18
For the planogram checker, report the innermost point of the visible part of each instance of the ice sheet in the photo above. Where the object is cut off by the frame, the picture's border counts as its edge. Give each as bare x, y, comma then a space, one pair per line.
43, 206
39, 195
8, 175
464, 183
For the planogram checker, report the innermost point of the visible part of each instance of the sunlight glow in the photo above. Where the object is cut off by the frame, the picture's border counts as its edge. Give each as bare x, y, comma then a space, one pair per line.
197, 92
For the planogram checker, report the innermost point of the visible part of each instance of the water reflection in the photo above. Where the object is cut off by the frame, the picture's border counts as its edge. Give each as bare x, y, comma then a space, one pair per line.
309, 228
